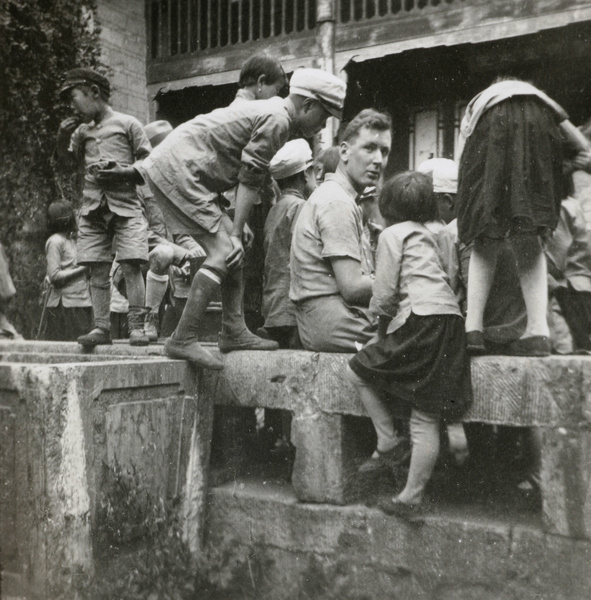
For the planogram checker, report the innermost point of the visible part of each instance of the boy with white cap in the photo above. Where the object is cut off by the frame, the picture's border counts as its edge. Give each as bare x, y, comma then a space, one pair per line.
204, 157
293, 170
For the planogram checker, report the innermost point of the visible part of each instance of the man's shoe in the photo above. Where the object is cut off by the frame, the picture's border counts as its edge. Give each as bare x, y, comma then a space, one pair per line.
151, 326
97, 337
137, 337
191, 350
244, 341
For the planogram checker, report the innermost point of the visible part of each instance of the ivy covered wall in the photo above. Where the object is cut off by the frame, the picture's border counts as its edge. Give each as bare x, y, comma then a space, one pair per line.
39, 41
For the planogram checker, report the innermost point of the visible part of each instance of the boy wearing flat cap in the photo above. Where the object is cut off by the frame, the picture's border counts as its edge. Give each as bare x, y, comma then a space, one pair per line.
212, 153
111, 218
293, 170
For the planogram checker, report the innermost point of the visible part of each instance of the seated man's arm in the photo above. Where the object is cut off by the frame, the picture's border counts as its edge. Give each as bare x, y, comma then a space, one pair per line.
354, 287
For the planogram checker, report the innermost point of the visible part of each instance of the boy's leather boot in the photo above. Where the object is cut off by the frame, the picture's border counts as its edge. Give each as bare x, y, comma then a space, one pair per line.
151, 326
183, 343
235, 334
97, 337
135, 321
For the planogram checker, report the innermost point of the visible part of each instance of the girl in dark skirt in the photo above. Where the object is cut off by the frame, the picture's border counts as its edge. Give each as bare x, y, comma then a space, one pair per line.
419, 359
511, 184
69, 306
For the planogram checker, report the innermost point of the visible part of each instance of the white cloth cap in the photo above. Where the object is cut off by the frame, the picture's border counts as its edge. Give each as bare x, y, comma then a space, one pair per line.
292, 158
444, 173
157, 131
325, 87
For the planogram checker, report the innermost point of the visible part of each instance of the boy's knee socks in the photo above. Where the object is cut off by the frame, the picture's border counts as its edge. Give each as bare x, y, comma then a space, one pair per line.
232, 302
100, 292
205, 285
156, 286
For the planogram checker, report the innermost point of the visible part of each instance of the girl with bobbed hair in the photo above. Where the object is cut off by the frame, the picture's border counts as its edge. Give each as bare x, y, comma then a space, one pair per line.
418, 362
69, 306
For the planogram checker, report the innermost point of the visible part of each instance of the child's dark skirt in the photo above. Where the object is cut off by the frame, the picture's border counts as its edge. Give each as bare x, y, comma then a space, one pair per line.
423, 364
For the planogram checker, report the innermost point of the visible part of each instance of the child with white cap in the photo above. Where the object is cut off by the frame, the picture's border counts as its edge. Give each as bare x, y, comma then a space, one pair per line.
204, 157
293, 170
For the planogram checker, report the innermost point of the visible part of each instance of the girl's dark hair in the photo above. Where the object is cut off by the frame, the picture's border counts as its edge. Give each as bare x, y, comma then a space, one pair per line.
261, 64
408, 196
61, 217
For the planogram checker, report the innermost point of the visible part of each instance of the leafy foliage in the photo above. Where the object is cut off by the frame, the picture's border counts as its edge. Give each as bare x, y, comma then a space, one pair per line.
39, 41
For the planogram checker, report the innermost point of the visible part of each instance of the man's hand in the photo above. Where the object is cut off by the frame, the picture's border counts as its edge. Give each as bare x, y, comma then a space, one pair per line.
67, 128
235, 258
116, 176
247, 237
582, 161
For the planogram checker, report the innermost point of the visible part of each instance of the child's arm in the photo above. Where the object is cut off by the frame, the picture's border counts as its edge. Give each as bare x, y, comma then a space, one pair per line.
62, 143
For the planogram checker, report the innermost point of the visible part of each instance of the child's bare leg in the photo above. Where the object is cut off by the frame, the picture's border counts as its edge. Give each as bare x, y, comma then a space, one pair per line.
533, 277
424, 432
481, 271
161, 258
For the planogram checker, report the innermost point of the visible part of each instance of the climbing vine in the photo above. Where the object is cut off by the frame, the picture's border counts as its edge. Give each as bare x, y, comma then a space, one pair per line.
39, 41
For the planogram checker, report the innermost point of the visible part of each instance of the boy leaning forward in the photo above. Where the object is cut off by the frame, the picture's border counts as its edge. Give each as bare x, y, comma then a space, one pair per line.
213, 153
110, 218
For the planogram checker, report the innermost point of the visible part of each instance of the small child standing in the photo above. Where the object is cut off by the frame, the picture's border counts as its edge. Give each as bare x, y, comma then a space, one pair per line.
111, 218
69, 307
293, 170
419, 360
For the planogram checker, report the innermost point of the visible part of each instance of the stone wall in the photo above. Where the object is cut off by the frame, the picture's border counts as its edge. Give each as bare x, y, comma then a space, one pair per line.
123, 39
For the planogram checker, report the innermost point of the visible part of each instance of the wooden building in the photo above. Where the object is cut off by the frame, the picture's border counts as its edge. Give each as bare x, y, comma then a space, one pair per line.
421, 60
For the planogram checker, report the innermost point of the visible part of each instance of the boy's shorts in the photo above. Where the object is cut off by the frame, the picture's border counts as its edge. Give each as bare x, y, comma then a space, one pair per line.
102, 235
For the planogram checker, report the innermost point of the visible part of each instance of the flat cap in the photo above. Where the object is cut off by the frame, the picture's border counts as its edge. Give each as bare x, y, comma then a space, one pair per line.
444, 173
84, 76
325, 87
157, 131
292, 158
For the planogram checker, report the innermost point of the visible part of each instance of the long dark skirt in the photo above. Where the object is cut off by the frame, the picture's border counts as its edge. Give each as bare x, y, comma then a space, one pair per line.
67, 324
423, 364
511, 171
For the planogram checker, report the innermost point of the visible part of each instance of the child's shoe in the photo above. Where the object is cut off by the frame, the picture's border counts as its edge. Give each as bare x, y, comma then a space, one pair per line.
191, 350
245, 340
135, 321
402, 510
151, 326
97, 337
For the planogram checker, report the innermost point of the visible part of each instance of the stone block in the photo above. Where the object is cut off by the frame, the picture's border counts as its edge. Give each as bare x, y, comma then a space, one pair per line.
326, 457
565, 481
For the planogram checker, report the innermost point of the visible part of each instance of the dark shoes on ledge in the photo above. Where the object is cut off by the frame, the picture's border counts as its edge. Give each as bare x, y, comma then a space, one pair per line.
536, 345
391, 459
402, 510
244, 341
97, 337
192, 351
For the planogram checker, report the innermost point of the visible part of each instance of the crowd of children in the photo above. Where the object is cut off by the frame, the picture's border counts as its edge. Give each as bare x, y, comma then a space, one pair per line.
493, 256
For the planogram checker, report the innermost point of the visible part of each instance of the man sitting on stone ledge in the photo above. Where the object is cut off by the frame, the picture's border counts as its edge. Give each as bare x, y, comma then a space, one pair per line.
328, 287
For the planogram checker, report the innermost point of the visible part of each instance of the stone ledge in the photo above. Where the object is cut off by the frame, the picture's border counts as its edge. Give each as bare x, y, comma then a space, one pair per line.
516, 391
355, 551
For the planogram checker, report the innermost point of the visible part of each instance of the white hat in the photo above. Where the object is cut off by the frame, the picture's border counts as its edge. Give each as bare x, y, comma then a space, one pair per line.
325, 87
157, 131
292, 158
444, 173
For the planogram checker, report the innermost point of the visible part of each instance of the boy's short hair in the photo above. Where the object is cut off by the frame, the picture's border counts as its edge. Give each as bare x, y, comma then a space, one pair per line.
85, 77
408, 196
261, 64
329, 159
370, 118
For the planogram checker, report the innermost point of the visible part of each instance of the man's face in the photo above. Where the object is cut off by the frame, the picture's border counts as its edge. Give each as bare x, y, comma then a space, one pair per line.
312, 118
366, 155
83, 103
